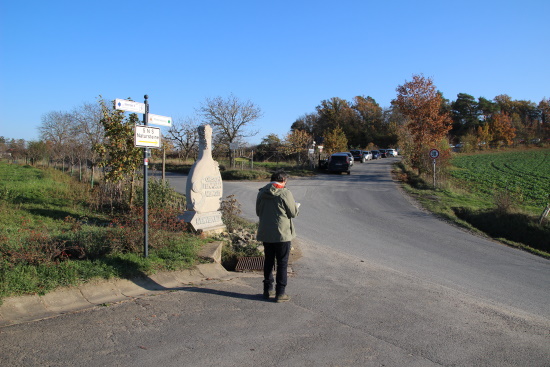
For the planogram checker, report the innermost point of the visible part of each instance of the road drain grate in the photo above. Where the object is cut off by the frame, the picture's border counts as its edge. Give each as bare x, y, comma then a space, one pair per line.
250, 263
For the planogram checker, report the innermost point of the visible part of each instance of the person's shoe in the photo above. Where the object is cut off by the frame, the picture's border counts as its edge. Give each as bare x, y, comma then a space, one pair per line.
282, 298
269, 294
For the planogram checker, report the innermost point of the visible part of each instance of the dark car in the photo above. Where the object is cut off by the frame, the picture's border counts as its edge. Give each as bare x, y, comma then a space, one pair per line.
383, 153
358, 155
375, 154
339, 162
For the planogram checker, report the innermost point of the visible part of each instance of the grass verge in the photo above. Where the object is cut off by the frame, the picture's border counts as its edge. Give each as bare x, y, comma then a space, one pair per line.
499, 216
50, 235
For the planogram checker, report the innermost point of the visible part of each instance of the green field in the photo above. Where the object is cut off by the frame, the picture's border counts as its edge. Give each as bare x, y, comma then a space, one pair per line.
498, 194
526, 174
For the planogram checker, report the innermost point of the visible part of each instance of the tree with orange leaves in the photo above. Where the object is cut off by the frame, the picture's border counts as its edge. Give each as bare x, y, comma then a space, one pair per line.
484, 136
297, 142
420, 102
501, 129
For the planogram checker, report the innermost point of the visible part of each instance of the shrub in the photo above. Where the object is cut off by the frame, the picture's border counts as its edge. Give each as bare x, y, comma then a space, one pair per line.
231, 208
506, 201
160, 195
240, 235
244, 175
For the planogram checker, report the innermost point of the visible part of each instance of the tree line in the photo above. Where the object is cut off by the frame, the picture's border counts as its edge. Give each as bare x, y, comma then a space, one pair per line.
96, 135
419, 118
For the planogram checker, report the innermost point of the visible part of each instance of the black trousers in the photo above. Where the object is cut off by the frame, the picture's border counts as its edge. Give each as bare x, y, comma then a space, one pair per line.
279, 251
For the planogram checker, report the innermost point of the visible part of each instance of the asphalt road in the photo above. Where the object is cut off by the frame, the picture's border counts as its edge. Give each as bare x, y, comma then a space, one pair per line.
366, 216
380, 283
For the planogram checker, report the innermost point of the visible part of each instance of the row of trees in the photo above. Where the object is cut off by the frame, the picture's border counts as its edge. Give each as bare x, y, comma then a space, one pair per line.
419, 118
66, 138
530, 120
97, 135
364, 121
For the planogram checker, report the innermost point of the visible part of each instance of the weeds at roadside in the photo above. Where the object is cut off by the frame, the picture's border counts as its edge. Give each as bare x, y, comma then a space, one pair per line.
240, 235
515, 227
50, 236
499, 216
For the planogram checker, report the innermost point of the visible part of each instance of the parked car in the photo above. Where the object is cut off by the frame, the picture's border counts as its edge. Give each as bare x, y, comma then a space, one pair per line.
391, 152
358, 155
367, 154
383, 153
349, 155
375, 154
339, 162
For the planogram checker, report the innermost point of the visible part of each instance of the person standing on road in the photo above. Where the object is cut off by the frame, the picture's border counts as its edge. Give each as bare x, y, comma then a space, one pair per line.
275, 206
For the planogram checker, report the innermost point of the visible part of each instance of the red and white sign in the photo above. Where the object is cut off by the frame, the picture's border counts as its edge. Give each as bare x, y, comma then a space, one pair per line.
434, 153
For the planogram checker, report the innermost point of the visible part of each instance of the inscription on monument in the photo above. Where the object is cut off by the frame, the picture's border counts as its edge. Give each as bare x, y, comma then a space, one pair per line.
203, 220
212, 186
208, 219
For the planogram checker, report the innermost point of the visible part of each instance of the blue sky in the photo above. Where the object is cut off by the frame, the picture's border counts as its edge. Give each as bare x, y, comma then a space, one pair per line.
284, 56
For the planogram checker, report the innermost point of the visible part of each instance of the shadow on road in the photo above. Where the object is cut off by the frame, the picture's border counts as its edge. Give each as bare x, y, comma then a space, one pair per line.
147, 283
251, 297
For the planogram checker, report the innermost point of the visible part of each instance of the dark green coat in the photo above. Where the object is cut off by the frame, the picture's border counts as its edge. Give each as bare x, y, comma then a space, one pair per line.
275, 207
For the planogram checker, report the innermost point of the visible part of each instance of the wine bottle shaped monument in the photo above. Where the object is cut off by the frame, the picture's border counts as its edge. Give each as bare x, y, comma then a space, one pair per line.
204, 187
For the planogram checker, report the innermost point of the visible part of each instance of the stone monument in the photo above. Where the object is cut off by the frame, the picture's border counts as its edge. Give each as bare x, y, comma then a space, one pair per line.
204, 188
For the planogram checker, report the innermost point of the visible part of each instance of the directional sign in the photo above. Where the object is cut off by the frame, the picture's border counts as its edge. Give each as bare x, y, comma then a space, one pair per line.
147, 136
159, 120
434, 153
131, 106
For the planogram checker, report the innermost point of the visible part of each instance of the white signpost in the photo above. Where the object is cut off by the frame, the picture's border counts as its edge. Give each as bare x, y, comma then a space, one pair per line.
145, 137
130, 106
160, 120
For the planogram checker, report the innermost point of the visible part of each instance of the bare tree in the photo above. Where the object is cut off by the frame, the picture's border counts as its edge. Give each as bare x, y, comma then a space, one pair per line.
88, 120
3, 146
16, 149
230, 117
183, 133
36, 151
57, 128
90, 133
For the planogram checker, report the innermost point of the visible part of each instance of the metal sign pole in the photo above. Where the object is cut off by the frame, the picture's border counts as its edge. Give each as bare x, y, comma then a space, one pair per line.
145, 137
434, 153
146, 155
434, 173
